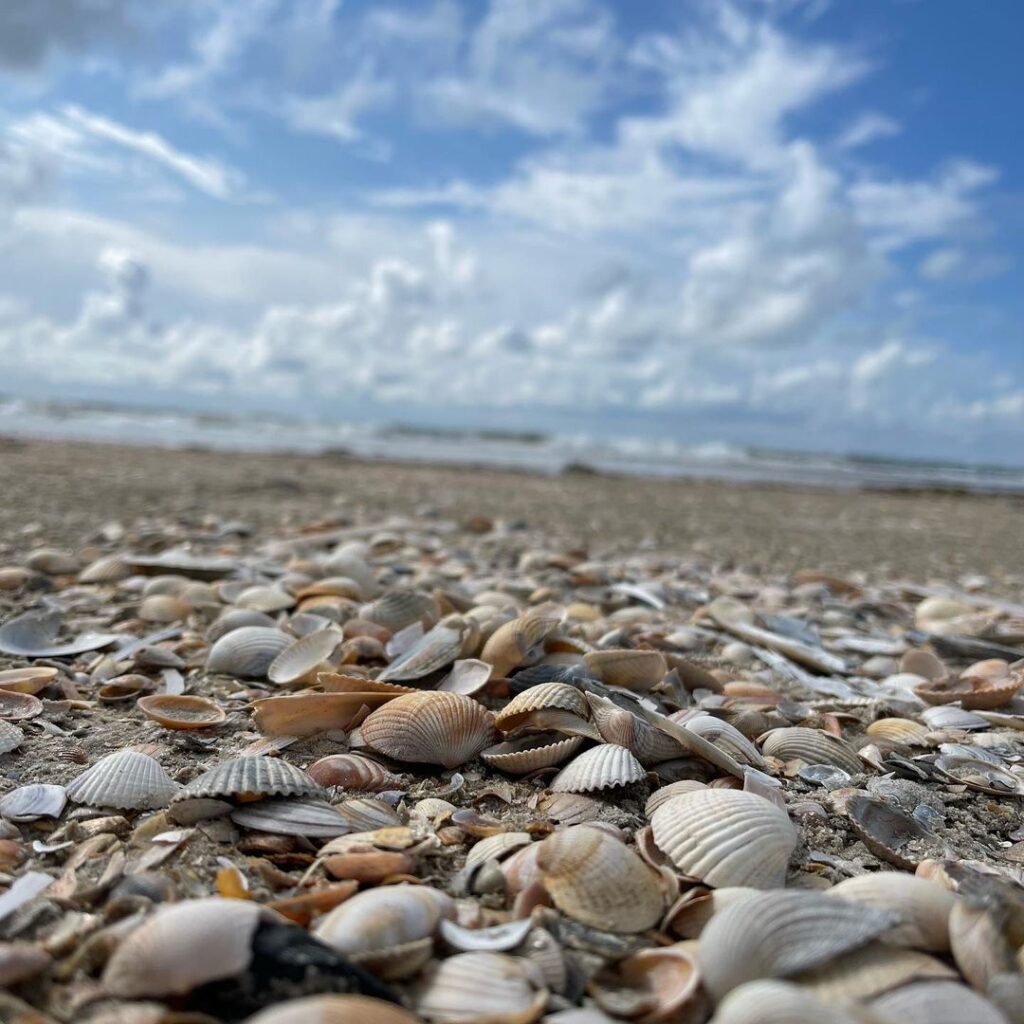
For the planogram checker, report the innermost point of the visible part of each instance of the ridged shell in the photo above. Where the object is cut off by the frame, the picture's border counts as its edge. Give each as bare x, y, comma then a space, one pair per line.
923, 907
126, 780
781, 934
236, 618
11, 737
634, 670
690, 914
543, 697
531, 753
333, 1010
726, 838
946, 717
597, 880
397, 609
724, 736
240, 776
32, 802
184, 945
603, 767
659, 796
15, 706
365, 814
936, 1002
288, 816
775, 1002
617, 725
181, 711
898, 730
430, 728
433, 651
482, 988
812, 746
981, 942
982, 692
247, 652
388, 930
497, 847
520, 641
351, 771
106, 569
298, 661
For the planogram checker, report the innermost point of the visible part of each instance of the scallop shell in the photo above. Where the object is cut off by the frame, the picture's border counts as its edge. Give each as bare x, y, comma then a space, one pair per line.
617, 725
936, 1002
543, 697
184, 945
632, 669
923, 907
531, 753
430, 728
333, 1010
301, 659
521, 640
659, 796
781, 934
365, 814
181, 711
812, 746
247, 652
603, 767
724, 736
243, 777
689, 915
106, 569
595, 879
991, 686
898, 730
32, 802
11, 737
775, 1002
433, 651
482, 988
351, 771
399, 608
389, 930
27, 680
127, 780
288, 816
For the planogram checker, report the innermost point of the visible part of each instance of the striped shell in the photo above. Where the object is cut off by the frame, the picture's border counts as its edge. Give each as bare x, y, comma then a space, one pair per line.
497, 847
725, 837
430, 728
617, 725
812, 746
543, 697
776, 1002
433, 651
399, 608
531, 753
248, 776
29, 803
247, 652
297, 662
634, 670
724, 736
936, 1002
236, 618
106, 569
288, 816
520, 641
603, 767
351, 771
11, 737
126, 780
659, 796
482, 988
898, 730
333, 1010
181, 711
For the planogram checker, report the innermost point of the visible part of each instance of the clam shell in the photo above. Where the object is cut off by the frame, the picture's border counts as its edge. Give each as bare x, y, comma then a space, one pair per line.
333, 1010
725, 838
521, 641
898, 730
497, 847
775, 1002
298, 661
106, 569
981, 945
32, 635
11, 737
27, 680
247, 776
595, 879
921, 662
497, 939
247, 652
127, 780
890, 834
617, 725
659, 796
430, 728
164, 608
351, 771
936, 1002
663, 982
288, 816
52, 562
603, 767
812, 746
923, 907
946, 717
32, 802
15, 706
634, 670
433, 651
264, 599
366, 815
389, 930
781, 934
468, 676
531, 753
399, 608
306, 714
181, 711
184, 945
724, 736
236, 618
482, 988
692, 911
543, 697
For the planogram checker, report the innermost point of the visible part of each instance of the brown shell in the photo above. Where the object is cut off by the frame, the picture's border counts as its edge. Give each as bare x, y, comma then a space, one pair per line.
542, 697
351, 771
181, 711
531, 753
521, 641
811, 745
632, 669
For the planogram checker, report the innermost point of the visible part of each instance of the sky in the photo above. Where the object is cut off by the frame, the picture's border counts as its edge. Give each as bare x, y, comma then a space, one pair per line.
787, 224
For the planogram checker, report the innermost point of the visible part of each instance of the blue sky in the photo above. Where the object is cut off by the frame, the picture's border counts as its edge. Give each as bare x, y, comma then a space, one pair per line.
792, 223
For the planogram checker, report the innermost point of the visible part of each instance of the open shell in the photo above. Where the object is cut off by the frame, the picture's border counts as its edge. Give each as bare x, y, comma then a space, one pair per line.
127, 780
663, 984
890, 834
433, 651
27, 680
603, 767
181, 711
430, 728
634, 670
290, 816
617, 725
248, 777
725, 838
482, 988
32, 802
531, 753
303, 658
401, 607
236, 618
15, 706
521, 641
724, 736
812, 746
247, 652
333, 1010
543, 697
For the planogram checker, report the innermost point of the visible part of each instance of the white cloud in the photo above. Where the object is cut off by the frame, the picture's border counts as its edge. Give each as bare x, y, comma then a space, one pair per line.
941, 264
337, 113
867, 127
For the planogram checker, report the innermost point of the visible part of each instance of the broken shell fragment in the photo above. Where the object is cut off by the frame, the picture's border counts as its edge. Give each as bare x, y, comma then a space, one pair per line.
434, 650
126, 780
11, 737
32, 802
27, 680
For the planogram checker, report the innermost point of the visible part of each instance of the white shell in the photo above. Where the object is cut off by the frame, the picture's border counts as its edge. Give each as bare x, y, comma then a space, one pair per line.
531, 753
127, 780
30, 803
483, 988
299, 659
498, 938
775, 1002
247, 652
603, 767
11, 737
288, 816
333, 1010
813, 746
268, 776
936, 1002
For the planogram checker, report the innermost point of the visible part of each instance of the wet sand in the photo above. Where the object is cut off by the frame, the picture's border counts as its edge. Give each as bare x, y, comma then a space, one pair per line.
60, 493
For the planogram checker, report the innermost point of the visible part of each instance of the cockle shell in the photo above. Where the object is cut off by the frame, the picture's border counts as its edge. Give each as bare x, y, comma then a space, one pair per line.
659, 796
936, 1002
597, 880
106, 569
353, 772
127, 780
389, 930
632, 669
430, 728
333, 1010
265, 599
692, 911
299, 661
663, 984
497, 847
434, 650
617, 725
364, 814
11, 737
399, 608
164, 608
898, 730
775, 1002
247, 777
946, 717
724, 736
531, 753
181, 711
543, 697
482, 988
247, 652
812, 746
603, 767
781, 934
981, 947
725, 838
236, 618
32, 802
521, 641
291, 816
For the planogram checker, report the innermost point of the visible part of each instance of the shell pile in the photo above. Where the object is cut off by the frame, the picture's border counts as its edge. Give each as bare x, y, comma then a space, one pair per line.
423, 771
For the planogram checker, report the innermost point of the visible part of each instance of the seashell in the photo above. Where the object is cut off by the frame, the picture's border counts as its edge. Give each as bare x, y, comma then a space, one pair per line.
181, 711
724, 736
946, 717
661, 984
336, 682
617, 725
468, 676
482, 988
305, 714
333, 1010
351, 771
367, 815
544, 950
434, 650
781, 934
288, 816
15, 706
265, 599
30, 803
27, 680
389, 931
498, 846
521, 640
936, 1002
164, 608
337, 586
603, 767
236, 618
430, 728
246, 778
32, 635
980, 775
919, 661
400, 607
14, 577
126, 687
106, 569
531, 753
980, 945
543, 697
185, 945
631, 669
247, 652
598, 881
126, 780
990, 686
725, 837
775, 1002
497, 939
301, 660
11, 737
52, 562
898, 730
659, 796
570, 808
691, 912
890, 834
923, 907
812, 746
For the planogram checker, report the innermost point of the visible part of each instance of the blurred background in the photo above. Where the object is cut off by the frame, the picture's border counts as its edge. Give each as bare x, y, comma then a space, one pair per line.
764, 240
